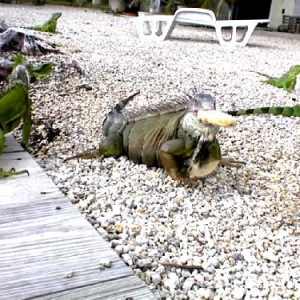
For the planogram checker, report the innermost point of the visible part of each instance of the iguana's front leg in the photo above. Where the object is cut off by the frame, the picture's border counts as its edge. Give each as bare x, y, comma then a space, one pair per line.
168, 156
206, 158
12, 171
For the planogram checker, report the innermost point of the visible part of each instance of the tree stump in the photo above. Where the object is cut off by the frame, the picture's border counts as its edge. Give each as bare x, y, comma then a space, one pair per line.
23, 41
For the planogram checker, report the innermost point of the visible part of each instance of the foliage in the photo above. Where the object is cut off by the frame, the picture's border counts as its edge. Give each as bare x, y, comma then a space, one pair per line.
56, 2
38, 2
15, 104
214, 5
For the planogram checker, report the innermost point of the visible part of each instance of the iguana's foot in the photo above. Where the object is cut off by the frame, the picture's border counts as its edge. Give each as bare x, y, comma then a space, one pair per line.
231, 163
11, 172
182, 177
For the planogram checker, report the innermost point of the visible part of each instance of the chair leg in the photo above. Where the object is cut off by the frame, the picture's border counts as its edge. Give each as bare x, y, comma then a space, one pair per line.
153, 29
164, 33
247, 35
233, 40
169, 28
226, 42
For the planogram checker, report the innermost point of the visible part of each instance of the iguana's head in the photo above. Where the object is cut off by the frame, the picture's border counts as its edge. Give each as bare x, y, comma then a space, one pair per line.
56, 16
204, 101
20, 74
203, 123
200, 101
204, 107
295, 70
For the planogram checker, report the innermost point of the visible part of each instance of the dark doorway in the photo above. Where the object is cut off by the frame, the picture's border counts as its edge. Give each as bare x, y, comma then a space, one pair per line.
251, 9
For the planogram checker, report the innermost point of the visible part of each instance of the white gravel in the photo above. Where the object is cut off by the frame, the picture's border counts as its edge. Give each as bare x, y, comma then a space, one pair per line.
240, 228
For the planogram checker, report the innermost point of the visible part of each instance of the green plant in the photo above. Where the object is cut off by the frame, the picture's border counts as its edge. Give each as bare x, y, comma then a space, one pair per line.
214, 5
139, 3
38, 2
135, 2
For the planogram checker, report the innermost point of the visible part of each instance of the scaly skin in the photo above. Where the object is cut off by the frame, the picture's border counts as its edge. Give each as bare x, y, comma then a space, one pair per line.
286, 111
287, 81
176, 140
15, 105
50, 25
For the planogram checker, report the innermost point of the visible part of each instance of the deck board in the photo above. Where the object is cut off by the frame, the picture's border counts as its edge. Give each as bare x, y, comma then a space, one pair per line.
44, 238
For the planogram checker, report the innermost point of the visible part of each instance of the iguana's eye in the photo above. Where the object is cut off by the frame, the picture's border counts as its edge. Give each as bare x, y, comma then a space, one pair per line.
205, 101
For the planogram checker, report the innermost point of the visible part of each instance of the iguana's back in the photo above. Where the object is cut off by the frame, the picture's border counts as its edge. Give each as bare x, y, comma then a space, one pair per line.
143, 137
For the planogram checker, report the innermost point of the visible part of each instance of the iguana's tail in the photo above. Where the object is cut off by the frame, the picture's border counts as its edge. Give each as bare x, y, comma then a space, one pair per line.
85, 155
286, 111
261, 74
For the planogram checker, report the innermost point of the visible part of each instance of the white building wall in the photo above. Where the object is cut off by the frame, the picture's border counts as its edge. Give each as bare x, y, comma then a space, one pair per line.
297, 8
280, 8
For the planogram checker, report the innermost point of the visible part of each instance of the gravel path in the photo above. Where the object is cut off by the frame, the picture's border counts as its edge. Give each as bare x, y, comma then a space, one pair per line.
239, 228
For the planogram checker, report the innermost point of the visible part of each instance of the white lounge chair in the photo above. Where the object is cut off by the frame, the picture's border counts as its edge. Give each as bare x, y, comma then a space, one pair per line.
151, 26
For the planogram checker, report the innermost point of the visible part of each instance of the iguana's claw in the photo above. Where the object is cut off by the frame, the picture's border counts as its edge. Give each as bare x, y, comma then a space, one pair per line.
11, 172
182, 177
190, 181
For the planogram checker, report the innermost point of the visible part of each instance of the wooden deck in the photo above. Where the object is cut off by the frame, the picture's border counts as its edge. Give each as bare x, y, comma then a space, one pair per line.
47, 248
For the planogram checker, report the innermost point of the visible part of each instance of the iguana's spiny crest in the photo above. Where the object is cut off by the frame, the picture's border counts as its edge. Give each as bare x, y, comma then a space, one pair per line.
192, 101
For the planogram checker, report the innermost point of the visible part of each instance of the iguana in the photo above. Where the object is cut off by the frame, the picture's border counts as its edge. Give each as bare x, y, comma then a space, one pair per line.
15, 105
287, 81
48, 26
181, 137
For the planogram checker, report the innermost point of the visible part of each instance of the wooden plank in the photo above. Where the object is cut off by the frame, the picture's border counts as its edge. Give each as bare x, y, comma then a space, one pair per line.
48, 249
11, 145
111, 290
